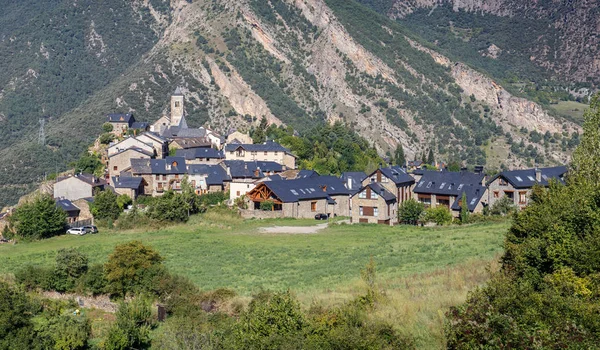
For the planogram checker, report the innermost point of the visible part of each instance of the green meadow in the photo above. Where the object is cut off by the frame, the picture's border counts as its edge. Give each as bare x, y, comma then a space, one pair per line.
218, 250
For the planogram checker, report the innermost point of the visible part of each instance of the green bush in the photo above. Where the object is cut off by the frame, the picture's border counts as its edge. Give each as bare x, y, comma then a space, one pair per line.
410, 212
132, 328
503, 206
94, 281
267, 205
106, 138
105, 206
33, 277
439, 215
38, 219
107, 127
16, 313
71, 265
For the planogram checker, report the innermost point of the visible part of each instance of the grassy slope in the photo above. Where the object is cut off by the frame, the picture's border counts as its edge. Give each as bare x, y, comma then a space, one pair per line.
234, 254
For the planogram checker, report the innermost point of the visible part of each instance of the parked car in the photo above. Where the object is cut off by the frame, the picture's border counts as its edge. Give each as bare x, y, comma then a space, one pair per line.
91, 229
80, 231
321, 216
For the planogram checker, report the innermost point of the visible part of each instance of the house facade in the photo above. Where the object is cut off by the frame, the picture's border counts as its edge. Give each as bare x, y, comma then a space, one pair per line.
78, 186
128, 185
374, 204
130, 142
208, 178
205, 155
158, 143
159, 175
123, 122
446, 188
121, 161
393, 179
517, 184
246, 174
268, 151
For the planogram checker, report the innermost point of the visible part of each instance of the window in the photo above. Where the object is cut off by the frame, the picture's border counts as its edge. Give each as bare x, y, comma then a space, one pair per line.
265, 153
164, 177
519, 178
429, 184
362, 195
115, 168
176, 103
237, 193
275, 152
460, 187
509, 194
176, 176
157, 177
496, 194
375, 211
384, 179
374, 195
503, 182
313, 206
442, 185
522, 197
360, 211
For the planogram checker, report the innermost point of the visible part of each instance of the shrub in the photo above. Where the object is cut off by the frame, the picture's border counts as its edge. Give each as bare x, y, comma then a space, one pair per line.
503, 206
267, 205
32, 277
130, 266
16, 313
41, 218
106, 138
132, 328
410, 212
439, 215
107, 127
94, 281
106, 206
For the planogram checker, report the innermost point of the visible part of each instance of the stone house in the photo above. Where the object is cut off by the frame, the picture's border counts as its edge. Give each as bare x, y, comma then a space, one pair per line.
446, 188
132, 186
160, 144
74, 187
190, 142
517, 184
245, 175
122, 122
159, 175
374, 204
268, 151
208, 178
300, 198
121, 161
201, 155
395, 180
71, 210
353, 180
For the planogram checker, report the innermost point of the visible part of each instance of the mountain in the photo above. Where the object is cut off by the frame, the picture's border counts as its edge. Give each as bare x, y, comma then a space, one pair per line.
296, 62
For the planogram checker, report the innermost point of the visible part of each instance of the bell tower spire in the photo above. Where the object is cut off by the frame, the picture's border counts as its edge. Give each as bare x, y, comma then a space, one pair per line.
176, 107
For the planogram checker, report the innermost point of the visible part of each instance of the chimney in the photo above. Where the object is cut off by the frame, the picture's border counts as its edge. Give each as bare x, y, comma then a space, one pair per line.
245, 166
256, 172
538, 175
228, 171
349, 183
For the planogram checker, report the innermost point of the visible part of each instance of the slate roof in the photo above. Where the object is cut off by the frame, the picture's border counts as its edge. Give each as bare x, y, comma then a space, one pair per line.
141, 166
473, 193
396, 174
380, 190
178, 92
67, 205
204, 152
176, 131
334, 185
139, 125
216, 175
526, 178
290, 191
447, 182
354, 179
131, 182
192, 142
154, 136
158, 166
302, 174
116, 118
268, 146
243, 169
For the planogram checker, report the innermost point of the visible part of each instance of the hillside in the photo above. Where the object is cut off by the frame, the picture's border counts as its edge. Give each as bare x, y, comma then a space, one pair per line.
300, 63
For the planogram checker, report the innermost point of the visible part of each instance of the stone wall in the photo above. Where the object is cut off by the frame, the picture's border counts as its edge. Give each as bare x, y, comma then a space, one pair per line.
260, 214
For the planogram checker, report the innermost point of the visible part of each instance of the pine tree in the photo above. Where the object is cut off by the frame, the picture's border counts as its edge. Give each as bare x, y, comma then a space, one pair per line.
430, 158
399, 158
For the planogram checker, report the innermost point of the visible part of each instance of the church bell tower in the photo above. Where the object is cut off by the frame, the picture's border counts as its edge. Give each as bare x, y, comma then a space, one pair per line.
176, 107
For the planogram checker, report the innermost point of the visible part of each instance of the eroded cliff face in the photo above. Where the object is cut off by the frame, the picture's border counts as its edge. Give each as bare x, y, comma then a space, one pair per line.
574, 55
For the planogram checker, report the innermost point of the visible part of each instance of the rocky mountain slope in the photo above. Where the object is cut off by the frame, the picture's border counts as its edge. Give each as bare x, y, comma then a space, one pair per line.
295, 62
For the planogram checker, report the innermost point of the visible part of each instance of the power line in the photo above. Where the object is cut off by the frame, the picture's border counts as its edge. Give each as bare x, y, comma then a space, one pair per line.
42, 132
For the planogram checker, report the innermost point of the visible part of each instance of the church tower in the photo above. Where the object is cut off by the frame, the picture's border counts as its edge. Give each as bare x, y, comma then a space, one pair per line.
176, 107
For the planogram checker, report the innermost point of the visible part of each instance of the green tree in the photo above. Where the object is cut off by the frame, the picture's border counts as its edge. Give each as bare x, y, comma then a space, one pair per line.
38, 219
546, 294
132, 327
430, 157
128, 267
106, 206
88, 163
71, 265
503, 206
66, 332
107, 127
464, 209
123, 201
410, 212
16, 313
106, 138
439, 215
399, 158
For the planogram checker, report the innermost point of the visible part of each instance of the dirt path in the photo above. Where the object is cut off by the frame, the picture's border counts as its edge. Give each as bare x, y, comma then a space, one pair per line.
294, 229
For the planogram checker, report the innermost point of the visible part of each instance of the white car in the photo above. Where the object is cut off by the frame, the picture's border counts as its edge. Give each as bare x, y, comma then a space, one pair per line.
77, 231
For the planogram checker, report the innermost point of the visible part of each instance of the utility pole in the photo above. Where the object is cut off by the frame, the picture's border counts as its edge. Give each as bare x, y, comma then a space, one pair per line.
42, 133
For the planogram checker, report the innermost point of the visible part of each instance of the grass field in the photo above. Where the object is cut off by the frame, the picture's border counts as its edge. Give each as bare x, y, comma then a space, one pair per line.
421, 271
572, 109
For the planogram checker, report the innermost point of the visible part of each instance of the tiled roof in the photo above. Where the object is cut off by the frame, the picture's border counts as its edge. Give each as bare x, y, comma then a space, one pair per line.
127, 182
203, 152
120, 118
526, 178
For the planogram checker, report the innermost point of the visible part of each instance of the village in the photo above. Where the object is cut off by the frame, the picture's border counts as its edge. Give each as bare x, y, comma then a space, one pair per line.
263, 180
